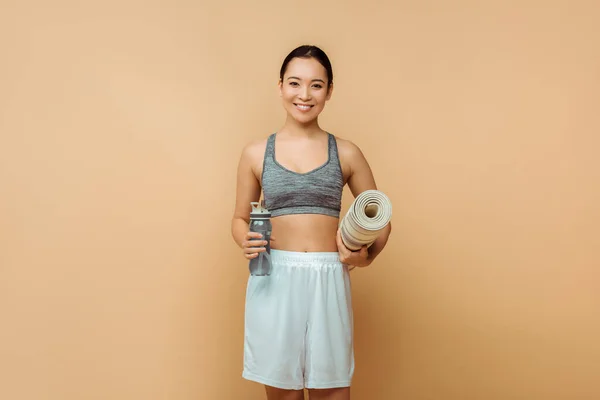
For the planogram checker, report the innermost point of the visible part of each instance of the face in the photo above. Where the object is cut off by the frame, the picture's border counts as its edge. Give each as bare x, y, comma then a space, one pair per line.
304, 89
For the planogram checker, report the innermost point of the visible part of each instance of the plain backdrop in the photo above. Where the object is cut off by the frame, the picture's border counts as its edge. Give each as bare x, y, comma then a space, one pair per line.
121, 124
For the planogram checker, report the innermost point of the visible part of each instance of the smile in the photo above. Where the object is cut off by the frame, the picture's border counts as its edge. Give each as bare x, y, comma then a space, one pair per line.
303, 107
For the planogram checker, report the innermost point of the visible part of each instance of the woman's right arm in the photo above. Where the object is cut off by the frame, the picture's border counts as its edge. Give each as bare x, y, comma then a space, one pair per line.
247, 191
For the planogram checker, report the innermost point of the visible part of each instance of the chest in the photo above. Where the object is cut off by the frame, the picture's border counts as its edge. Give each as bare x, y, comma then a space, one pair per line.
303, 157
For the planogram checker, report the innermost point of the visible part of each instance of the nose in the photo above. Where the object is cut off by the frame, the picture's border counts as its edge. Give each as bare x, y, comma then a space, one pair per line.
305, 93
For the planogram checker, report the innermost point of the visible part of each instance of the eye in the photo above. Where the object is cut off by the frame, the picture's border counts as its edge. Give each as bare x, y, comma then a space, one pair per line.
318, 85
293, 83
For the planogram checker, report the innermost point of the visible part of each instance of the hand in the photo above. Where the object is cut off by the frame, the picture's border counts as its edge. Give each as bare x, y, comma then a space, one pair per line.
253, 244
358, 258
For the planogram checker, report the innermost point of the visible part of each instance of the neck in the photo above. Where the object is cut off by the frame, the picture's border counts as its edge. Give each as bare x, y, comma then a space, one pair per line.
294, 128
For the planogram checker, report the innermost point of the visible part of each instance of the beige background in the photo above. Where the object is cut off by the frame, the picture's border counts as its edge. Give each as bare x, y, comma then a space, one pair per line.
120, 128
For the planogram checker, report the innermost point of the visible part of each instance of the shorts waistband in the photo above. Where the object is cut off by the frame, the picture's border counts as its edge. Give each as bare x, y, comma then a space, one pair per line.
300, 257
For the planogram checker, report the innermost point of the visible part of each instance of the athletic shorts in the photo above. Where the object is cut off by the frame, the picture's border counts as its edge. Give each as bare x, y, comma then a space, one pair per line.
299, 324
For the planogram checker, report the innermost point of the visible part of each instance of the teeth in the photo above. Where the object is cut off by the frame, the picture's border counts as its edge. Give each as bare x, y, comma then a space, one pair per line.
303, 107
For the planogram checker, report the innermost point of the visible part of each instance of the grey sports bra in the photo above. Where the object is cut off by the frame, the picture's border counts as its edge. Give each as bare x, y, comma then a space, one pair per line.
318, 191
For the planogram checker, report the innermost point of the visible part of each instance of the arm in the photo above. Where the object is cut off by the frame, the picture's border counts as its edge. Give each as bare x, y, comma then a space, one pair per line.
361, 179
247, 190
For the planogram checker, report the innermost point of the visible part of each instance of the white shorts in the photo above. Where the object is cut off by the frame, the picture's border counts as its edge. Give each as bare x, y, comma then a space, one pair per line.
298, 323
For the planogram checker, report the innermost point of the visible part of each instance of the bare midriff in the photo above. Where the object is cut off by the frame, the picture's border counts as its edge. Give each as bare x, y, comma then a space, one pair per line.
305, 233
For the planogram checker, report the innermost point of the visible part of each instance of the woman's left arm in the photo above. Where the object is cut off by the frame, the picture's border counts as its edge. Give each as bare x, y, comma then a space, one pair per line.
360, 178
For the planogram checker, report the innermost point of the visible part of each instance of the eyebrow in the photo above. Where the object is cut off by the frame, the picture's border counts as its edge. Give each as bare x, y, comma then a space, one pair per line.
314, 80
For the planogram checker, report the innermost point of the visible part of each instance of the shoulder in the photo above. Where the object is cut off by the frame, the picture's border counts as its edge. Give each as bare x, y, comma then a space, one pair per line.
252, 155
352, 159
355, 166
348, 149
255, 148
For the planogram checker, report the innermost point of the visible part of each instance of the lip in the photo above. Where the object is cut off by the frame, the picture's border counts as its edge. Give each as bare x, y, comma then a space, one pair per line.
303, 107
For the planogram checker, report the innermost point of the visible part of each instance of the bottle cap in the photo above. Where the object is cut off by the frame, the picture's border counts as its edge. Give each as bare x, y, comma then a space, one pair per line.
259, 210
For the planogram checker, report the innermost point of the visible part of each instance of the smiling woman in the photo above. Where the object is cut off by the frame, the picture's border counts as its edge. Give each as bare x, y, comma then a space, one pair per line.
299, 323
304, 86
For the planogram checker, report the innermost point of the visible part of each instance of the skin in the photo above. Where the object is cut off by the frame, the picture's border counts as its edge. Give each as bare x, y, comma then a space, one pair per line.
301, 146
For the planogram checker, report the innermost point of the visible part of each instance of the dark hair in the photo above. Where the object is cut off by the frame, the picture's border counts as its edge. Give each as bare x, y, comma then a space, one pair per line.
308, 51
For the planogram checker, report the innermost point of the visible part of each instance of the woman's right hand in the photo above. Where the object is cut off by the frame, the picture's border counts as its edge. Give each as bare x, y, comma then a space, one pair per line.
253, 244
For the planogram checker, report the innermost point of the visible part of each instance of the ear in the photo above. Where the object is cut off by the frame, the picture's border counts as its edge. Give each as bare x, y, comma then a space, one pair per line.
280, 85
329, 91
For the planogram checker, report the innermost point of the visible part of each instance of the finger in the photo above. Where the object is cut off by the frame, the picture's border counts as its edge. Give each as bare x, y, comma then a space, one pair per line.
364, 251
247, 243
252, 250
338, 239
342, 251
255, 243
253, 235
249, 248
341, 246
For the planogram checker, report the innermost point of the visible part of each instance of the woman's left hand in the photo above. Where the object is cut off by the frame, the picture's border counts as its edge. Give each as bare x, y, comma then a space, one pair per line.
358, 258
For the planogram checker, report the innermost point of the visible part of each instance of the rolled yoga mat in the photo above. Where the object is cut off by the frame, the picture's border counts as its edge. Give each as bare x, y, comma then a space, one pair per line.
368, 215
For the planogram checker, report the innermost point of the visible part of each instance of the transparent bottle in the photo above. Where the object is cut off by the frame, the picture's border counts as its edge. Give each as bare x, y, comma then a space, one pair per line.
260, 221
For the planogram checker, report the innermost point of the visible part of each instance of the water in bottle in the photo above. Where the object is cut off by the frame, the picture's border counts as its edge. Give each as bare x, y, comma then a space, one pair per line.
260, 221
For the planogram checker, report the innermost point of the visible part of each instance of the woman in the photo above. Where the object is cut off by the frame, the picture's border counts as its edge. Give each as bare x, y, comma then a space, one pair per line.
298, 323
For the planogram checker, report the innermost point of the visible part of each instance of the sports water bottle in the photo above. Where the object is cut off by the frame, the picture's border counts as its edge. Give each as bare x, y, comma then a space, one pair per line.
260, 221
